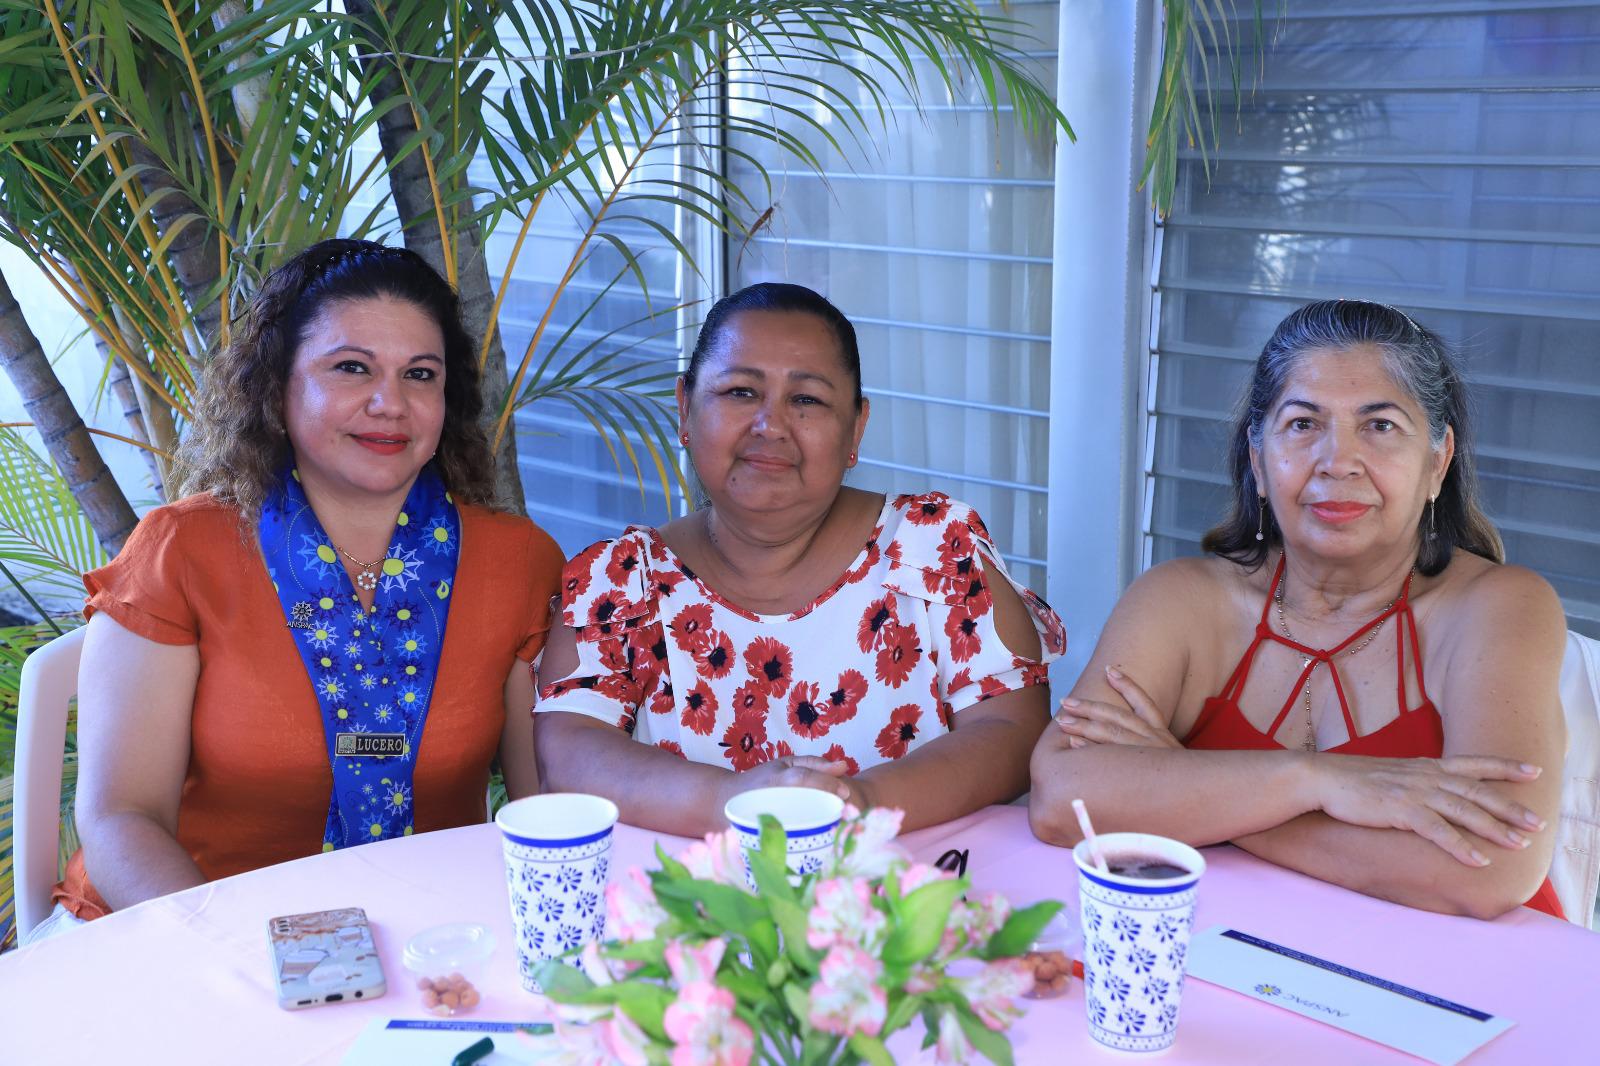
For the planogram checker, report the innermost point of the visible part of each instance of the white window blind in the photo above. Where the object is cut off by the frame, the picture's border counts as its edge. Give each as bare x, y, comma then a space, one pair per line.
1443, 157
938, 248
577, 487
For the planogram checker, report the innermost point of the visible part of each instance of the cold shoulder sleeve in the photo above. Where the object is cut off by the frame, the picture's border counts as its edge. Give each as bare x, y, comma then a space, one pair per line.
607, 598
941, 552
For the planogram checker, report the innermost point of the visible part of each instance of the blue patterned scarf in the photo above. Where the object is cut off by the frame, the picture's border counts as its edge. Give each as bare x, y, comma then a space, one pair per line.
373, 671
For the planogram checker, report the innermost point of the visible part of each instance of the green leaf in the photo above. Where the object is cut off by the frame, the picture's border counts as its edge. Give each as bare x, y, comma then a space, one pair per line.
871, 1050
819, 1047
990, 1044
745, 983
648, 1009
791, 922
922, 918
798, 999
769, 862
563, 983
901, 1010
1020, 930
732, 908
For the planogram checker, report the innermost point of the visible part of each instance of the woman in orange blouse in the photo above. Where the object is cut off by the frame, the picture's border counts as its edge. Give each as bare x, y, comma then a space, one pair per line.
281, 662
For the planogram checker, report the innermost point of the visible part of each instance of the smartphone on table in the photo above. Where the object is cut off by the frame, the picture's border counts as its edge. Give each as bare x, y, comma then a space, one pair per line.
324, 957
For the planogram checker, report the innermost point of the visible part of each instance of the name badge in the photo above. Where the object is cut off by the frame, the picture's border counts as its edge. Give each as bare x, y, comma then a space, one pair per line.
365, 745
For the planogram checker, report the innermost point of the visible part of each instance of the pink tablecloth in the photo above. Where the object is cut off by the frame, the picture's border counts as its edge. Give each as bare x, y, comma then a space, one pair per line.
186, 979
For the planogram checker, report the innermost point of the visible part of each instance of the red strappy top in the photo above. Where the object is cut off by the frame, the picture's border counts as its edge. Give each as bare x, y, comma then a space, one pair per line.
1416, 733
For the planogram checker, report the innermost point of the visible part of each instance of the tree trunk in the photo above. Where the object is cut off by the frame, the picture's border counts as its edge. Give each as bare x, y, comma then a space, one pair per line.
413, 197
121, 383
158, 420
64, 433
129, 396
249, 95
193, 253
477, 302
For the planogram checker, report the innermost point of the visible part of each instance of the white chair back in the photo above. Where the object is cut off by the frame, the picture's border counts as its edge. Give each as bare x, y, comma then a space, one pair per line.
49, 681
1575, 871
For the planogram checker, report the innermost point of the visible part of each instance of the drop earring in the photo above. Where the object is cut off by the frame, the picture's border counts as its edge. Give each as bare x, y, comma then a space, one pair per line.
1432, 507
1261, 518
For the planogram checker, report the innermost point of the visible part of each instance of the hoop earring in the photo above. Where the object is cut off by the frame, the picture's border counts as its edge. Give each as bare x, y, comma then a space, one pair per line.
1261, 518
1432, 533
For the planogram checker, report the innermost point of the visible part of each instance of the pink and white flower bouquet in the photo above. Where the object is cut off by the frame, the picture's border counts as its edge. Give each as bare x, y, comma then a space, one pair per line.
814, 973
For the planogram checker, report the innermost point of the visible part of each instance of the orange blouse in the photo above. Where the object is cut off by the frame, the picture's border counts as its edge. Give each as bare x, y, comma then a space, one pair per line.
257, 786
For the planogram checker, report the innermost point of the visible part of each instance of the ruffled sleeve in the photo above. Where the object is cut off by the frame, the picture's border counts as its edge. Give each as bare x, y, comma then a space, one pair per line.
942, 553
608, 598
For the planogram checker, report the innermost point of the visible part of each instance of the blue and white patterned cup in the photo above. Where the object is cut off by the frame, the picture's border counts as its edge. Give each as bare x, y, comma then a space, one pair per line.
810, 820
1135, 940
558, 858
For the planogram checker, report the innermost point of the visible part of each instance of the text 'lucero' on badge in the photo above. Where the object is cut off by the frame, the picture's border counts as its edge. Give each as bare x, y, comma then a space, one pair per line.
359, 745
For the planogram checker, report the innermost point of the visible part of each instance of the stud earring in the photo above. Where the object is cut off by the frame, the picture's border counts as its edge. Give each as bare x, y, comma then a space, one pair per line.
1261, 518
683, 438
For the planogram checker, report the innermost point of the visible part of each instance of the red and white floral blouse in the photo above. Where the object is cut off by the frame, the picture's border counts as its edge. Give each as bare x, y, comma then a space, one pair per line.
879, 664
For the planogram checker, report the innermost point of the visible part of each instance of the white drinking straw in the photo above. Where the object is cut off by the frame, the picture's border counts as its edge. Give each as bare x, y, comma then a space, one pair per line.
1088, 834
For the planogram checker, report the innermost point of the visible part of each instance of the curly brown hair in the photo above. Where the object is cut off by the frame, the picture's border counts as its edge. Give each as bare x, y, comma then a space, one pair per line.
238, 446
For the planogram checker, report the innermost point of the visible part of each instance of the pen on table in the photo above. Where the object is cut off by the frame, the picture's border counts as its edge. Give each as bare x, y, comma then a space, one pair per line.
468, 1055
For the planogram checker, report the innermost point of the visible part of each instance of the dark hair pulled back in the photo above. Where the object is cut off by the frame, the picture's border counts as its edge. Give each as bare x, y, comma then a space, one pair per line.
775, 296
1423, 366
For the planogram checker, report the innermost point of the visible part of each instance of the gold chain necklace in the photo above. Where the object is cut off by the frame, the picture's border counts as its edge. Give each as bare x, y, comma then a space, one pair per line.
1310, 743
368, 580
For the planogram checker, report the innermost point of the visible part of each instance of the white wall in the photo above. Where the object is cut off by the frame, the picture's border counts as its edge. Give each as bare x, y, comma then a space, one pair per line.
65, 340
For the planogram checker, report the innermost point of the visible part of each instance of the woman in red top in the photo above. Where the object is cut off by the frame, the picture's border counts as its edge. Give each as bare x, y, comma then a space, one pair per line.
794, 630
1224, 686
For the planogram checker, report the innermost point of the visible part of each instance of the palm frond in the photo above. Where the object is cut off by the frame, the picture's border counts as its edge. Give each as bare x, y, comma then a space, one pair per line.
610, 115
16, 642
1193, 29
44, 536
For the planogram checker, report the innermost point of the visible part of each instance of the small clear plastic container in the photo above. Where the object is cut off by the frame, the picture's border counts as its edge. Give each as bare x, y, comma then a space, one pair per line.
448, 963
1050, 957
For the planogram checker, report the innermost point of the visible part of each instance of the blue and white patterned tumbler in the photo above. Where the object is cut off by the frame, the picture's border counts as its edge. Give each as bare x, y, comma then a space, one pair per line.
1135, 939
810, 820
558, 857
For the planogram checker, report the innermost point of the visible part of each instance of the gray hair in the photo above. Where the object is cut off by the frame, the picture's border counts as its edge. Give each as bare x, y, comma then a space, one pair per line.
1422, 365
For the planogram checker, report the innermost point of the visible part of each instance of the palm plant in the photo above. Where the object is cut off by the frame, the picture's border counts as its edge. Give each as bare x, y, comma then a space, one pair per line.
46, 543
157, 158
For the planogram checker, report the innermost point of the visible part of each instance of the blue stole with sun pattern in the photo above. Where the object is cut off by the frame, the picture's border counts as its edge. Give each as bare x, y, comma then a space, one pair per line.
373, 671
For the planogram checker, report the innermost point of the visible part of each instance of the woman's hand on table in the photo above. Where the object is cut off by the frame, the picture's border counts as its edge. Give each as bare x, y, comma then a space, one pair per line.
1435, 798
797, 771
1139, 724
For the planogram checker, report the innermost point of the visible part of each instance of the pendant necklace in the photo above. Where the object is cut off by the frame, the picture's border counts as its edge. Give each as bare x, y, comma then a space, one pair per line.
1310, 743
368, 579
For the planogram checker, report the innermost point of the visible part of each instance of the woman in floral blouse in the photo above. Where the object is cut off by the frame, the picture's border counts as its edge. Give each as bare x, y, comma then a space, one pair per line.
794, 631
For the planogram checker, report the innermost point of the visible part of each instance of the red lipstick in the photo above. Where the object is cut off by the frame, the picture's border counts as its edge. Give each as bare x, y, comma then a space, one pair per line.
1337, 513
382, 443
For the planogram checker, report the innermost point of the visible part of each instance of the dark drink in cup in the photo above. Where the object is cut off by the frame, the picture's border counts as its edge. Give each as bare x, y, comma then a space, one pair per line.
1144, 867
1136, 916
